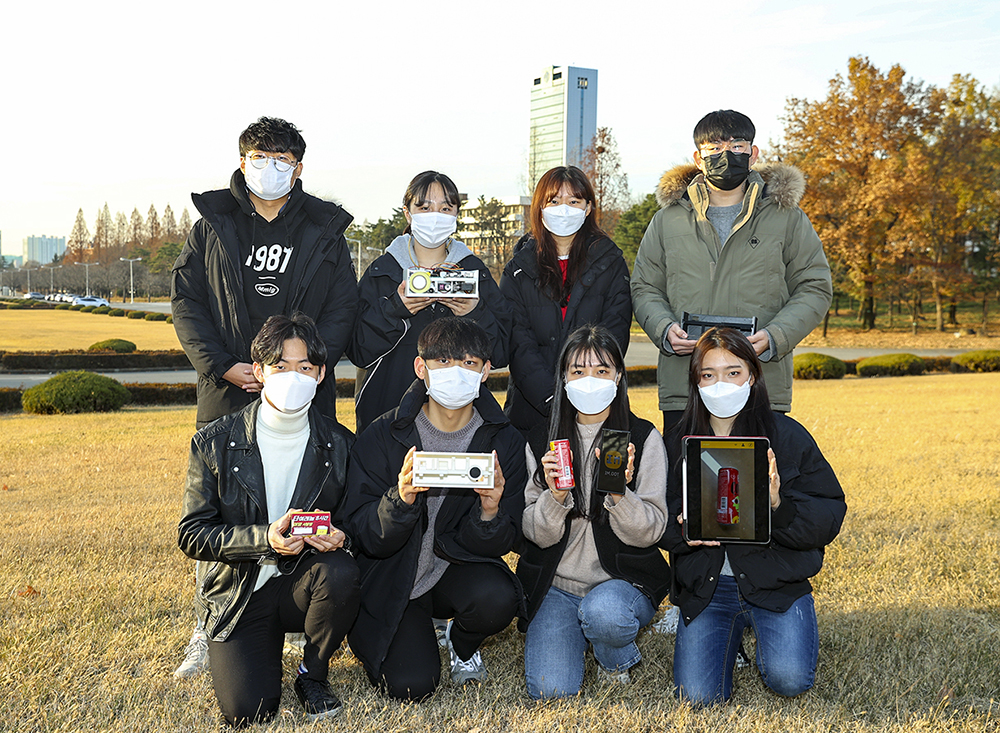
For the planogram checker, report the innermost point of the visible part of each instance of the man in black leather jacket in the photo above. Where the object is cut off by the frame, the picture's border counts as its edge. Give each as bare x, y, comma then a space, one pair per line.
247, 474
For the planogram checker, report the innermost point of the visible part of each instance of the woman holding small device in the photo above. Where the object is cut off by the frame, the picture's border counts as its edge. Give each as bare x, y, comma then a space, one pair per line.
723, 588
389, 321
590, 568
565, 274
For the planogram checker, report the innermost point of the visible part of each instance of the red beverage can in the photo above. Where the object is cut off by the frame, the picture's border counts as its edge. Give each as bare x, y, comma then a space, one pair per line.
565, 480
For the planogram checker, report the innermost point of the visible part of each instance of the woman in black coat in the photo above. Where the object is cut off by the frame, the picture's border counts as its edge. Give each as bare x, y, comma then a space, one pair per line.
565, 274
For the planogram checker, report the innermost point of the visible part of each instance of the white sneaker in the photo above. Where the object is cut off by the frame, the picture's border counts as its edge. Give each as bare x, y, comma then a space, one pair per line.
619, 677
195, 656
463, 671
668, 624
440, 629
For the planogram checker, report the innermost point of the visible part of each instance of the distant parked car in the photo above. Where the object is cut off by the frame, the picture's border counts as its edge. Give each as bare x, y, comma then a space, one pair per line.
91, 300
33, 296
68, 297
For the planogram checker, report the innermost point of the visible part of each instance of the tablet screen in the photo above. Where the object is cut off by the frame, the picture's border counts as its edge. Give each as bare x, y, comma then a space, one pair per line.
726, 496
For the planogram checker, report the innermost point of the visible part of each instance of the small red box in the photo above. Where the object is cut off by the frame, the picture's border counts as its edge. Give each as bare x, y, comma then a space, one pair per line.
565, 480
305, 524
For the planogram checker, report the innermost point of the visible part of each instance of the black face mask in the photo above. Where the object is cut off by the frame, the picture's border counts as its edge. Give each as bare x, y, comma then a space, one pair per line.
726, 170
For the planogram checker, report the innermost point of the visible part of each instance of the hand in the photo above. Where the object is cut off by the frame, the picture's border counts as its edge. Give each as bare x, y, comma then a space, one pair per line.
407, 491
774, 478
551, 471
327, 542
460, 306
276, 536
679, 340
489, 499
760, 342
242, 376
414, 305
697, 543
629, 468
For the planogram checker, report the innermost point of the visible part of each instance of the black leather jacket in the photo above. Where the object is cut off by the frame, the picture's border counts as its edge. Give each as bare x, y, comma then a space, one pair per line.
224, 521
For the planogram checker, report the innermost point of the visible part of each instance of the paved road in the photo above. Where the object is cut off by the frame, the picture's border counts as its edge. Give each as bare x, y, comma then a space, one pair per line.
640, 353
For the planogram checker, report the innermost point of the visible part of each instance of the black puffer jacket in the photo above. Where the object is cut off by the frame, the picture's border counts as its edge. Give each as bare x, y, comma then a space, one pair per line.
775, 575
599, 296
386, 532
385, 338
210, 313
224, 520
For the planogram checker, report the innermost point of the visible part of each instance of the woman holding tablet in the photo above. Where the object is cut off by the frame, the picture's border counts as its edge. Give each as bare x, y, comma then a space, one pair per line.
590, 567
389, 321
565, 274
724, 588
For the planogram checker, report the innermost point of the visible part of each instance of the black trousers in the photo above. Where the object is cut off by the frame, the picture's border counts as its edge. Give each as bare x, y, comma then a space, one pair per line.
319, 598
480, 597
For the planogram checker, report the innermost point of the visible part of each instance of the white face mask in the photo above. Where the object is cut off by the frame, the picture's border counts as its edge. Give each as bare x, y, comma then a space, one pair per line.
591, 395
725, 399
563, 220
432, 228
268, 183
289, 391
453, 387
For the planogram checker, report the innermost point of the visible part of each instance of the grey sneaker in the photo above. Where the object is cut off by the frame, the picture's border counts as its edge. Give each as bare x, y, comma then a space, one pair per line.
440, 629
195, 656
317, 698
668, 624
618, 677
463, 671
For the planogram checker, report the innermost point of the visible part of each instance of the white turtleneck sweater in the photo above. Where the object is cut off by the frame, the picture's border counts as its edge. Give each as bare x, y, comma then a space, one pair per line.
282, 439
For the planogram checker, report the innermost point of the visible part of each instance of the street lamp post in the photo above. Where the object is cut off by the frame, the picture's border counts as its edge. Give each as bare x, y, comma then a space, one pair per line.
88, 265
131, 282
50, 268
28, 270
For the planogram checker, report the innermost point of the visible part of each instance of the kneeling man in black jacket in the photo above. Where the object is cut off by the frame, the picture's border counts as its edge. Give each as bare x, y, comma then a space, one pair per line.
248, 472
435, 553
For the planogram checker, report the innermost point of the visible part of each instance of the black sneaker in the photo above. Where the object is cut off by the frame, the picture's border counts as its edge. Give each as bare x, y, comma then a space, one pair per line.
317, 698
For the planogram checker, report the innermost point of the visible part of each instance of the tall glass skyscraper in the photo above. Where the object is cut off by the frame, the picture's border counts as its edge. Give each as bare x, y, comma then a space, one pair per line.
563, 118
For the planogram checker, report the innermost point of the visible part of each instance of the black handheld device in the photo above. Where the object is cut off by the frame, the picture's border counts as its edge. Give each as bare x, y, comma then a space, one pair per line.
613, 461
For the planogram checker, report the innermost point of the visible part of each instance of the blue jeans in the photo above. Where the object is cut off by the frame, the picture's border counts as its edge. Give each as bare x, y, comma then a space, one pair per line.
705, 650
608, 617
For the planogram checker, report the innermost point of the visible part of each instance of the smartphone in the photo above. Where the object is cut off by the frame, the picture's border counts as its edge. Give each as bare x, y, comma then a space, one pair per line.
613, 462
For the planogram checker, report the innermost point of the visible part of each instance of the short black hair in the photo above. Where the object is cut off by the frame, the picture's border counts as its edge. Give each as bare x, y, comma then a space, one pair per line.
270, 340
273, 135
452, 337
722, 125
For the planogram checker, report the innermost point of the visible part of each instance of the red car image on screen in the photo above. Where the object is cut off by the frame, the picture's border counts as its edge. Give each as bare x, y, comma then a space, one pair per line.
728, 508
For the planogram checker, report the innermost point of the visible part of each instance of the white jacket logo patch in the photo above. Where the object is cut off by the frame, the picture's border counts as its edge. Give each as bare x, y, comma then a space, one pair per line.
266, 289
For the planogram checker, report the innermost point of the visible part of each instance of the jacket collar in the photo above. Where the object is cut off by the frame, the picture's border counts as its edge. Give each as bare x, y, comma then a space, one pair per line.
780, 183
525, 253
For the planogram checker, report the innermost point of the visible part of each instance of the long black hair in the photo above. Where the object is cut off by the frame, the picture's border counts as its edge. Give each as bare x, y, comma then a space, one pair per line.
756, 417
562, 420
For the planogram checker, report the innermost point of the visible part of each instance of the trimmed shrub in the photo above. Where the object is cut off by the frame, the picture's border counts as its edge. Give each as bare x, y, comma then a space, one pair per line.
163, 394
937, 363
76, 307
119, 346
101, 310
47, 361
115, 312
10, 399
156, 316
170, 318
15, 307
74, 392
986, 360
818, 366
88, 308
62, 307
135, 315
891, 365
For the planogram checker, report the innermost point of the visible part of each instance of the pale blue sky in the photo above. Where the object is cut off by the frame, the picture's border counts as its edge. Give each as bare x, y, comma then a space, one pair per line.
135, 104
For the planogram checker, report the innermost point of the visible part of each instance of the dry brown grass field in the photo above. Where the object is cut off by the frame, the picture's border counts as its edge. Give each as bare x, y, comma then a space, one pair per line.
96, 597
43, 330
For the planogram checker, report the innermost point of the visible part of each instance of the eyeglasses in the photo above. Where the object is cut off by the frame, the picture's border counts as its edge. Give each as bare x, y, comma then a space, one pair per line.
282, 162
739, 147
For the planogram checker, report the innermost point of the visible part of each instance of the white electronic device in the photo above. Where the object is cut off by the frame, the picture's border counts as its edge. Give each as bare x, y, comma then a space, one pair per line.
441, 282
453, 470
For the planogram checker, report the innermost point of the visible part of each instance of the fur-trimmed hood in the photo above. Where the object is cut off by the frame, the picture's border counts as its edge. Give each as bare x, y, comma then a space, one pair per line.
783, 183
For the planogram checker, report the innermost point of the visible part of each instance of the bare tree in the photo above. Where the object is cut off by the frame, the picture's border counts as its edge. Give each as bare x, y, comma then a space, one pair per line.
79, 240
137, 231
603, 166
